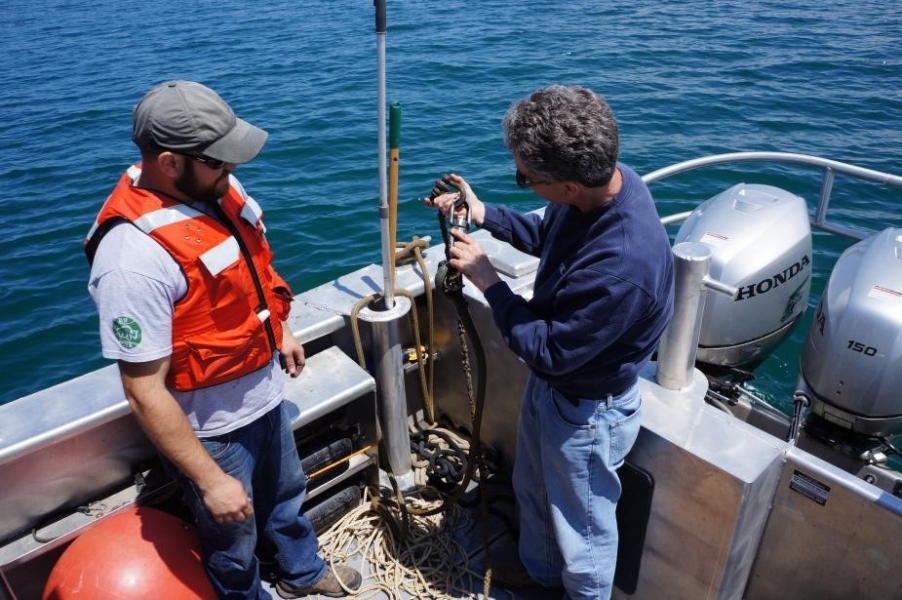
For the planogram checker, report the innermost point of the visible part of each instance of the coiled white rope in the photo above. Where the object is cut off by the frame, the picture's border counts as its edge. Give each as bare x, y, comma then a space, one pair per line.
428, 563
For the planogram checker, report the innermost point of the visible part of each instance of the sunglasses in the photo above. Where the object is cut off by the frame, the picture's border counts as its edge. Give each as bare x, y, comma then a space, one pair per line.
523, 182
206, 160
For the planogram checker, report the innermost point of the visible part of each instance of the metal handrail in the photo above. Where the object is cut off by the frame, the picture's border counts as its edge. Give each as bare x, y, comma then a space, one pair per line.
829, 168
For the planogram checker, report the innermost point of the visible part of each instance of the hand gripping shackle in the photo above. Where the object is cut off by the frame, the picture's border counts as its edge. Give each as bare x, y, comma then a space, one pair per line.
447, 279
459, 215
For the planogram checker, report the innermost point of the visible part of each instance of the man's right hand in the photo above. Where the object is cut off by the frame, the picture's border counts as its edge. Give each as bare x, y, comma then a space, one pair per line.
468, 257
167, 427
226, 499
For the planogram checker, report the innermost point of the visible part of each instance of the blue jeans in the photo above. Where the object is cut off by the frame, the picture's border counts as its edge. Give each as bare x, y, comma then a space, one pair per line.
567, 487
263, 456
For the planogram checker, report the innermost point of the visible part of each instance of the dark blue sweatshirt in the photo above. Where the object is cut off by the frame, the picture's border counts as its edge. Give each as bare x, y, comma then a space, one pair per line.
603, 291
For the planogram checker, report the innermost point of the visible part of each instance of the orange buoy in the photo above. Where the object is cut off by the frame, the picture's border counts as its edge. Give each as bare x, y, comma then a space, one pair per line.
140, 553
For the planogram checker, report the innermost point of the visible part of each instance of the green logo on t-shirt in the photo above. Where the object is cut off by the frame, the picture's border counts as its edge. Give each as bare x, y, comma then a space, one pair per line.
127, 331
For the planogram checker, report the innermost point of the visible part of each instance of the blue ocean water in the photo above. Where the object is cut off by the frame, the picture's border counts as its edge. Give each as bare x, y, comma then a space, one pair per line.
685, 79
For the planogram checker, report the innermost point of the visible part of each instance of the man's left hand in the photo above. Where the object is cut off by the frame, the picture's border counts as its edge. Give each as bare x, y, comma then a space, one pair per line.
293, 359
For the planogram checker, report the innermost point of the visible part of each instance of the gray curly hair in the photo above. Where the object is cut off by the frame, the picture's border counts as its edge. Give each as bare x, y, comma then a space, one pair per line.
564, 133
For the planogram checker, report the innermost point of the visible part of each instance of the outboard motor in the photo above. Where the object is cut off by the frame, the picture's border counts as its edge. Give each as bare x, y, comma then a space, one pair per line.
851, 368
760, 240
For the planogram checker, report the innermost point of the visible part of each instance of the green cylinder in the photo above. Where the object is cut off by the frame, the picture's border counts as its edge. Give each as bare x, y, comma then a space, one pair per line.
394, 125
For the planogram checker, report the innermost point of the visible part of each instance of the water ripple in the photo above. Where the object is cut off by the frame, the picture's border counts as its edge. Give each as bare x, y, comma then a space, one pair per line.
685, 79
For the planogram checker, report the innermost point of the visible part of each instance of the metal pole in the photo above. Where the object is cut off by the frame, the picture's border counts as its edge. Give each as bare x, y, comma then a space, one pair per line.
386, 345
384, 217
679, 344
386, 356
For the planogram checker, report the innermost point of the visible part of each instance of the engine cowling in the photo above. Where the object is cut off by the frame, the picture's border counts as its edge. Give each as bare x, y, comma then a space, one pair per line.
760, 240
851, 366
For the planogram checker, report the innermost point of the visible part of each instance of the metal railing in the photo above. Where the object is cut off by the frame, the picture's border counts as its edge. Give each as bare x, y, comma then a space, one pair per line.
828, 167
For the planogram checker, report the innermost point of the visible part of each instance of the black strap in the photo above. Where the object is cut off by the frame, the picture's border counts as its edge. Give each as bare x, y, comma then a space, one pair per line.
99, 233
224, 218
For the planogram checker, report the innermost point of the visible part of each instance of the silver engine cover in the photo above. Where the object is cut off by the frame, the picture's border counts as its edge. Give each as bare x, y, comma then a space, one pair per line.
760, 240
852, 362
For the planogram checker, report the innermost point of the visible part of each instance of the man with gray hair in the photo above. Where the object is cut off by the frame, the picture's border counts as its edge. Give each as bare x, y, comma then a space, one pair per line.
603, 295
194, 312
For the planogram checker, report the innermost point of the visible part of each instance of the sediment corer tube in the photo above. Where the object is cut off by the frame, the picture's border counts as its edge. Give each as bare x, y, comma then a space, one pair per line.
332, 453
328, 511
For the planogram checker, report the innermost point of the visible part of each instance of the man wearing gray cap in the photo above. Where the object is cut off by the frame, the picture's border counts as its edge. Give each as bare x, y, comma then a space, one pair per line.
193, 311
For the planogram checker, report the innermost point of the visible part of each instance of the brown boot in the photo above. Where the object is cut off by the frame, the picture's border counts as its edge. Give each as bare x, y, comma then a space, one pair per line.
328, 584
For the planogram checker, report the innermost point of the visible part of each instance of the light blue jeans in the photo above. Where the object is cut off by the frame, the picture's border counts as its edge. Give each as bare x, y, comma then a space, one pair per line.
567, 487
263, 456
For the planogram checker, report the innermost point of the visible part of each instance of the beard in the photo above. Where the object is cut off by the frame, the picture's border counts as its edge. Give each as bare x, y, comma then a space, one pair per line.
188, 184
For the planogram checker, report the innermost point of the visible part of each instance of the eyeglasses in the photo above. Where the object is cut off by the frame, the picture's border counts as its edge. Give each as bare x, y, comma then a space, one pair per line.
523, 182
206, 160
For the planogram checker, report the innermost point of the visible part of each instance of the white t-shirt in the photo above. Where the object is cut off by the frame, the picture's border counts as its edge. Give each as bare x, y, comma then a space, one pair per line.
135, 283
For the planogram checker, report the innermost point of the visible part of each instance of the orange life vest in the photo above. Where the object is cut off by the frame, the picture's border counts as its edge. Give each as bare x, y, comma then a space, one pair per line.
229, 322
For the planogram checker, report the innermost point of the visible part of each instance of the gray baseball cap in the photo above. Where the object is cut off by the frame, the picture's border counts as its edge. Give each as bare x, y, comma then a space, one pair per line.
185, 116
